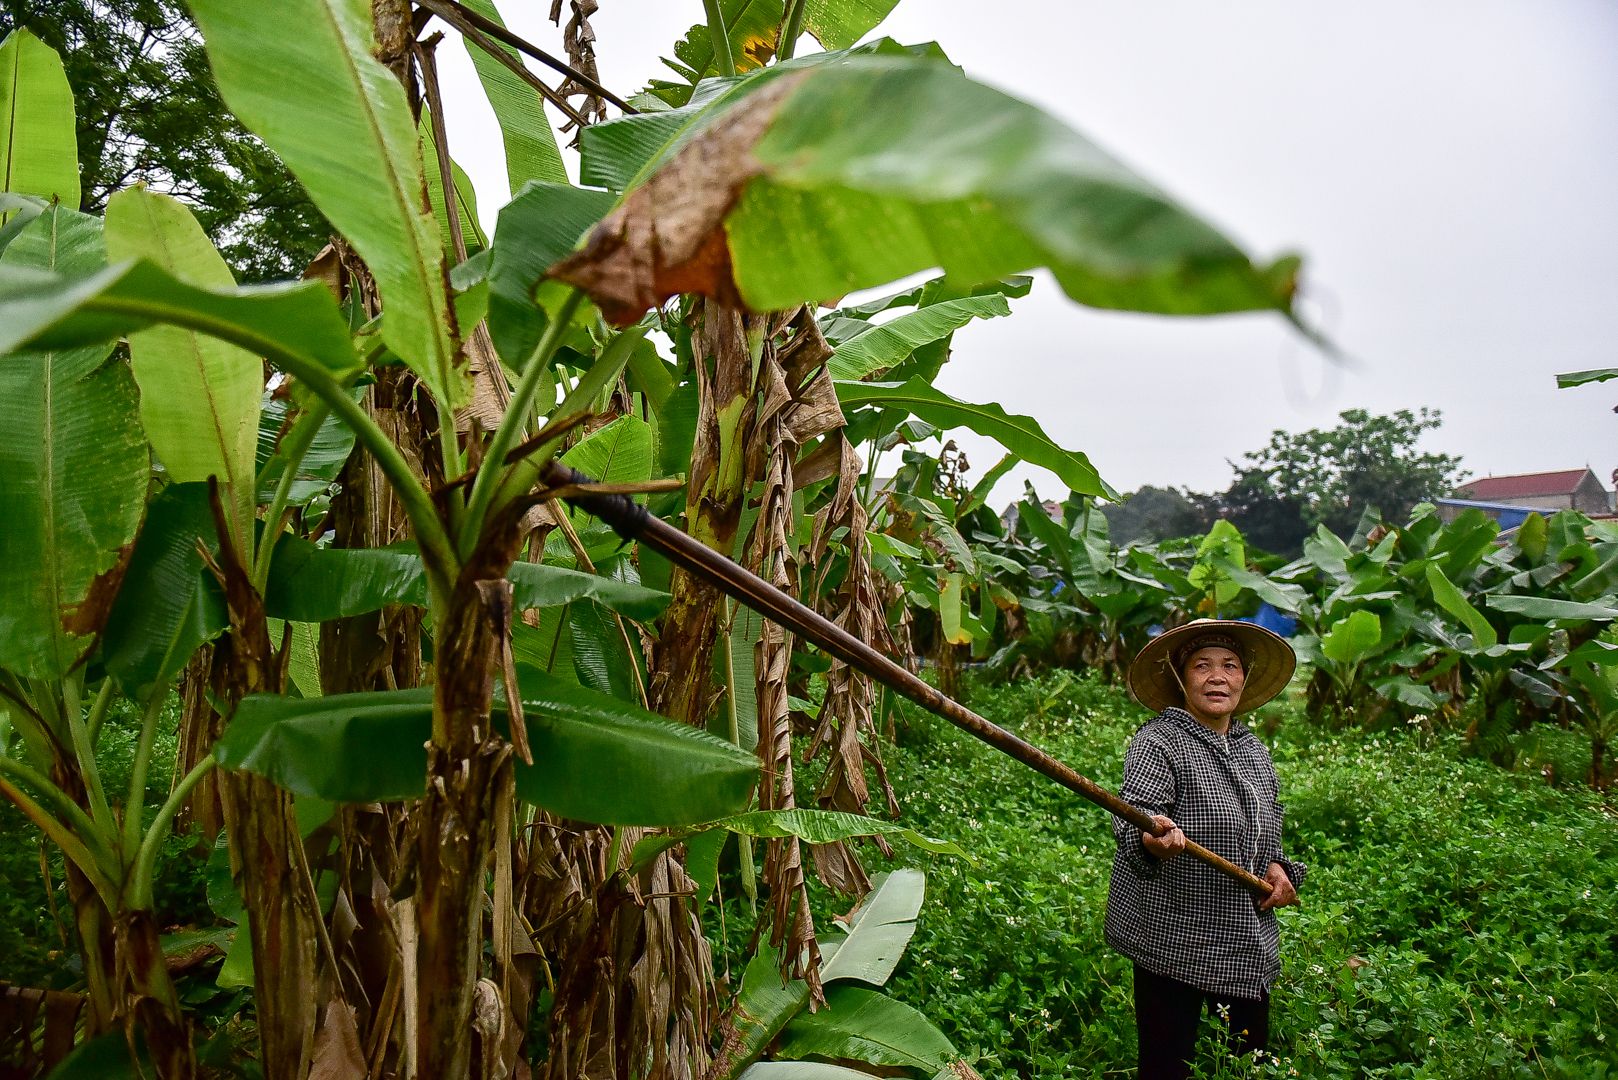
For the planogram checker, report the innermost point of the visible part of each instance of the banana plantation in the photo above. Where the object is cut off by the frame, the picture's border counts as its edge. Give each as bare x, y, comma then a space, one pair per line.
471, 766
1425, 621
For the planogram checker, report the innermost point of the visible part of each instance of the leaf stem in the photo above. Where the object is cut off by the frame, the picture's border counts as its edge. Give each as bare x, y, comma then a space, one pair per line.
72, 815
478, 504
100, 809
522, 474
793, 30
720, 37
140, 880
98, 711
297, 444
135, 804
64, 837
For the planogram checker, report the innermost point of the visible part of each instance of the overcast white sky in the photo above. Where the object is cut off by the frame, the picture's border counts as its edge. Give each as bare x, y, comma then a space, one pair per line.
1448, 168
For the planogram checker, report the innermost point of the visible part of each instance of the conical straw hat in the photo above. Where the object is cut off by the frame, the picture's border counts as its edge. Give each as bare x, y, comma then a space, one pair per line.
1268, 662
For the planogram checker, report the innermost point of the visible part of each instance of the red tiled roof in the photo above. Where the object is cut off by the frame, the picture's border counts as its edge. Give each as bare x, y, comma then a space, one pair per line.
1525, 486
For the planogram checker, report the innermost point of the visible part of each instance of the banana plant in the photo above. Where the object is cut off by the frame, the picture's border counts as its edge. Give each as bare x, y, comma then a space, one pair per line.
858, 1024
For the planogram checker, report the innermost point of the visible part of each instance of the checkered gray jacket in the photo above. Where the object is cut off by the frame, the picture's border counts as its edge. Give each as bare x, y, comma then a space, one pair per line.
1181, 917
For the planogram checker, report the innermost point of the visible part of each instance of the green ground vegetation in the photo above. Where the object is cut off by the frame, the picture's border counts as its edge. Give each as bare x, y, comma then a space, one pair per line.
1459, 921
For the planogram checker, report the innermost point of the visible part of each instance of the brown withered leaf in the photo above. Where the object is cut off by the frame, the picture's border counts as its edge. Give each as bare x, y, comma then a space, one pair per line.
846, 727
668, 237
491, 392
337, 1054
792, 928
88, 617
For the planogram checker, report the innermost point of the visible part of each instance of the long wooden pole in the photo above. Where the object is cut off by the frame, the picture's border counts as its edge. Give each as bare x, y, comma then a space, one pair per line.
634, 522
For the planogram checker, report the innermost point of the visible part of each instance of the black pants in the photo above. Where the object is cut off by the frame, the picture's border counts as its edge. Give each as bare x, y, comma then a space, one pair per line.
1168, 1013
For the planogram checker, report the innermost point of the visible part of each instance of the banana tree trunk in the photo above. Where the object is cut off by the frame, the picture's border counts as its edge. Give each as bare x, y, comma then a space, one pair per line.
148, 993
468, 765
681, 683
266, 847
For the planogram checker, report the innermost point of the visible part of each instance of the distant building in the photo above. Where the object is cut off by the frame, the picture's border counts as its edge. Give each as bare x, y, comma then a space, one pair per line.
1509, 499
1009, 519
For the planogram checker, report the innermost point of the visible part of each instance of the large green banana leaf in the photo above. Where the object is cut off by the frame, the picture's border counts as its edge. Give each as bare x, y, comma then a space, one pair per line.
1545, 608
287, 323
466, 198
199, 396
595, 758
38, 152
606, 657
531, 150
878, 933
616, 453
16, 211
1353, 638
1579, 378
315, 584
73, 473
1452, 600
880, 347
864, 1025
1021, 435
344, 128
170, 603
535, 229
878, 166
320, 465
801, 1070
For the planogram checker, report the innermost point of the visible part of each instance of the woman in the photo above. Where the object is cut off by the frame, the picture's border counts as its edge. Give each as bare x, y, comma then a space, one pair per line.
1198, 937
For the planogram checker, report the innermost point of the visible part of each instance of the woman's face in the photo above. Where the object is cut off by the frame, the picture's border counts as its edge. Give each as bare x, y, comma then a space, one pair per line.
1213, 684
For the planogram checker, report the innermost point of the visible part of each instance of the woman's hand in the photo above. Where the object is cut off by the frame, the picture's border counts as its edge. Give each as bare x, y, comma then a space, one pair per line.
1169, 844
1284, 895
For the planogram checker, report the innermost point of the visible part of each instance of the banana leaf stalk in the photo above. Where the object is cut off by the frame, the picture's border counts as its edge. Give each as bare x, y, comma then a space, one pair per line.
633, 522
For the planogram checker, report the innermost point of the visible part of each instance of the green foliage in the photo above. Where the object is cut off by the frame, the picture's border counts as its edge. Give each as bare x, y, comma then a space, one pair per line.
1020, 435
147, 111
345, 130
595, 757
1154, 514
877, 933
37, 155
1331, 477
73, 473
530, 144
752, 36
1456, 922
36, 931
199, 396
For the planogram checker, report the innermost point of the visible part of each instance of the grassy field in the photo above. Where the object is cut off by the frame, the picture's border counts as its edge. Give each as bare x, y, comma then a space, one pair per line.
1459, 920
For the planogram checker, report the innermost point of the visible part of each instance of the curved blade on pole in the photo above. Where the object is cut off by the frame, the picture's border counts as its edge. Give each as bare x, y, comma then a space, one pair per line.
634, 522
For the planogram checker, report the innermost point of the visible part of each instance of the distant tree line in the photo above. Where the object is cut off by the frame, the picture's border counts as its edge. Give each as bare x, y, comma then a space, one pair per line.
1299, 481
